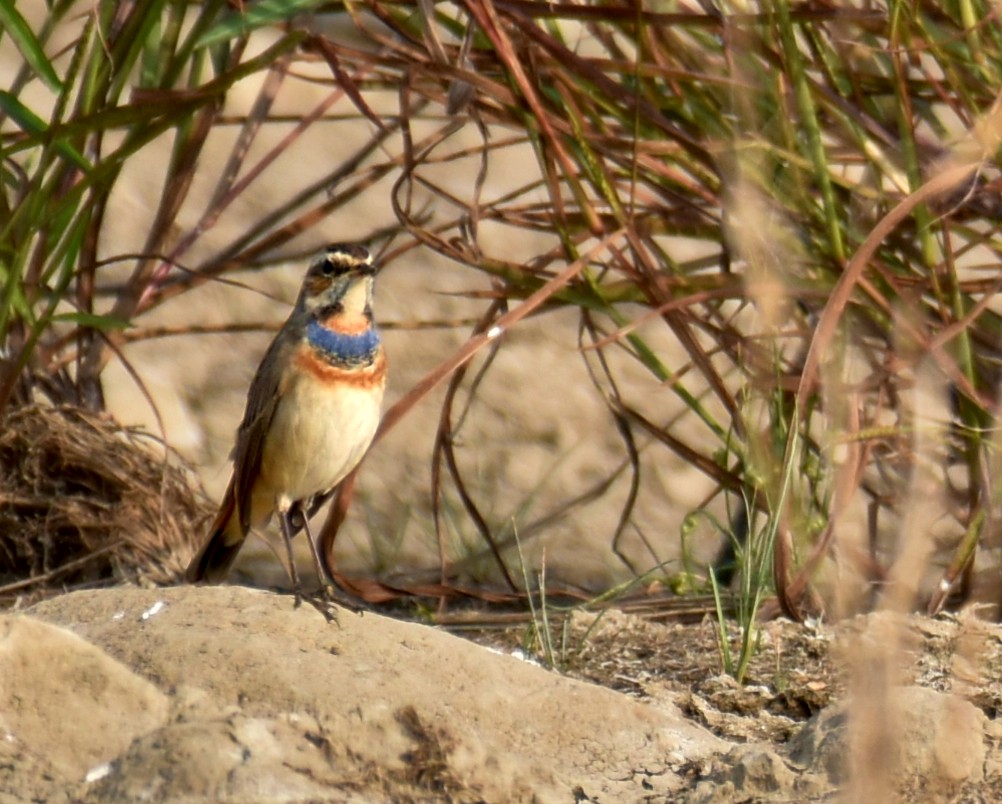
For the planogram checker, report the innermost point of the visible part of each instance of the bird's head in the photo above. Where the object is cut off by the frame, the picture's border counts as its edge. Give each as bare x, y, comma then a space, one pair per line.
340, 282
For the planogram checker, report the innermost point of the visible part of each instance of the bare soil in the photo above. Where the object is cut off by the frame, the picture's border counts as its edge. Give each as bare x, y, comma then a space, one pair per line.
233, 694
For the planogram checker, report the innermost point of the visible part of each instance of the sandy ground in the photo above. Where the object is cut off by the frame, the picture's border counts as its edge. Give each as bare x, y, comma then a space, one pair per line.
230, 694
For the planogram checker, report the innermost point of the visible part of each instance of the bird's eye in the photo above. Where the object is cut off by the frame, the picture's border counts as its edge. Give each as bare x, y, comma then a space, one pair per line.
334, 268
340, 259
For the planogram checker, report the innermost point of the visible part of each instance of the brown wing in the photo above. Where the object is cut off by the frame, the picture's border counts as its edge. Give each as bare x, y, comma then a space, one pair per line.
262, 401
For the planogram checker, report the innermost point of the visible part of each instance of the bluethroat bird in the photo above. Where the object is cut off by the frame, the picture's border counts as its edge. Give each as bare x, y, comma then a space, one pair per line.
312, 411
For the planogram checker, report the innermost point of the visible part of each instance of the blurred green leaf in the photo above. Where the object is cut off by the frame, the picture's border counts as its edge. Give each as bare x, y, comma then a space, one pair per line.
28, 121
92, 320
28, 44
257, 15
36, 127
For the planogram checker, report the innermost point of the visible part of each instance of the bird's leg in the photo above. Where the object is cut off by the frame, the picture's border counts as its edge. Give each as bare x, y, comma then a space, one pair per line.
285, 518
330, 588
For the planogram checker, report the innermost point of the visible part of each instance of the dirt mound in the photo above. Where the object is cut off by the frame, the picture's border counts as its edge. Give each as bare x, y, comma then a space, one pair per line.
230, 694
267, 700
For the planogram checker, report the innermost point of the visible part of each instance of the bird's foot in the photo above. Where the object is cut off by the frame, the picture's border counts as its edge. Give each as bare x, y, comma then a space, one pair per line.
318, 601
328, 599
321, 603
336, 596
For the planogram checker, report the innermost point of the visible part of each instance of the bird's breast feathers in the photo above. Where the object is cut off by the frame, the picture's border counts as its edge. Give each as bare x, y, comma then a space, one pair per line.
343, 342
325, 420
315, 363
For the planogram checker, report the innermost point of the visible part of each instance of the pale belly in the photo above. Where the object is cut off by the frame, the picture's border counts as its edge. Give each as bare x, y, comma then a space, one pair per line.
317, 437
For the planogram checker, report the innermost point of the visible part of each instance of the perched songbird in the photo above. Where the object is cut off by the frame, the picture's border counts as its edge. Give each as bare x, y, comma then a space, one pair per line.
312, 412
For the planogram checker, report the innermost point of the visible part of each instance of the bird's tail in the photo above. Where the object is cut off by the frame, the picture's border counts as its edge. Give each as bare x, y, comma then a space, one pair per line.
212, 564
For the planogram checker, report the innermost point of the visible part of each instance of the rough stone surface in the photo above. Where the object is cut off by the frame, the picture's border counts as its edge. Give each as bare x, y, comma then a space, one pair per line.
272, 702
939, 740
66, 703
230, 694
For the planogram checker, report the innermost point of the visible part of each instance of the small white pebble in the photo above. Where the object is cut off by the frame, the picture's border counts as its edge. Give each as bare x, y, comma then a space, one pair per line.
98, 772
154, 610
944, 585
118, 615
494, 332
521, 655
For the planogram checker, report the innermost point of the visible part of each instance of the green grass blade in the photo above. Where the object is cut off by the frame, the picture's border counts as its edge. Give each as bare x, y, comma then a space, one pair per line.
254, 16
28, 45
101, 322
38, 130
815, 140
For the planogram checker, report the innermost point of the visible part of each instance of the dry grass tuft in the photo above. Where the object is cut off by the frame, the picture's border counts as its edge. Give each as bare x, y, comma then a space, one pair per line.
84, 502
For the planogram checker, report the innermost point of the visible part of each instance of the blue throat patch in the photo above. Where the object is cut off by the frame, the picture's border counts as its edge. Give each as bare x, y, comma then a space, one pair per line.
341, 348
